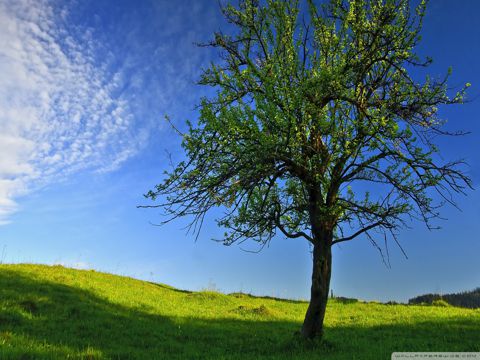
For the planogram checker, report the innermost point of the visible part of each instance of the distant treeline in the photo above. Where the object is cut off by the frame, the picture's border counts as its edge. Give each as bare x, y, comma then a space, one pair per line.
466, 299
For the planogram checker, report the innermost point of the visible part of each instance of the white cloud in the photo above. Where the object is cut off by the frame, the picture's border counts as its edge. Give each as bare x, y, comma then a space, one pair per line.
60, 111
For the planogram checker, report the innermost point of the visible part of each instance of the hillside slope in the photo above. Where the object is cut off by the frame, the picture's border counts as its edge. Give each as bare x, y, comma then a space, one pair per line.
55, 312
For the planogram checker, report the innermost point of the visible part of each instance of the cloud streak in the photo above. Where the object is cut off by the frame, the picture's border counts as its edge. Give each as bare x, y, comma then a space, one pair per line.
62, 109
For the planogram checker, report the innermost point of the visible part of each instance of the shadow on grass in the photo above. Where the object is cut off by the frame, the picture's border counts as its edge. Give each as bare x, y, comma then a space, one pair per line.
168, 287
60, 315
345, 300
241, 295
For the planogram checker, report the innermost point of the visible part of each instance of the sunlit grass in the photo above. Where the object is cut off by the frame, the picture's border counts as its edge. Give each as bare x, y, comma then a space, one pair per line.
55, 312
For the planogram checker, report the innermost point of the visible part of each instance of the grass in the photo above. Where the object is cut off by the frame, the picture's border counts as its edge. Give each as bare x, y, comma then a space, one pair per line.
52, 312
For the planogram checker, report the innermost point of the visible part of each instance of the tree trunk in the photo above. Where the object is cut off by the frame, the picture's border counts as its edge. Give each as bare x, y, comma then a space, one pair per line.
322, 262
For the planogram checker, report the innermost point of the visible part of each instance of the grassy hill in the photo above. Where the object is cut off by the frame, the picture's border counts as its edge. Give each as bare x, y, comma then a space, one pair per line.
55, 312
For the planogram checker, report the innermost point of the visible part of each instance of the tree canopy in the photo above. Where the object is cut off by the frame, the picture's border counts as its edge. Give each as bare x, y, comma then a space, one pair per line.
318, 129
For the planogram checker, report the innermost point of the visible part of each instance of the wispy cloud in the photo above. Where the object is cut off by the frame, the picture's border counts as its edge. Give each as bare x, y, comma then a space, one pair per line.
82, 91
62, 109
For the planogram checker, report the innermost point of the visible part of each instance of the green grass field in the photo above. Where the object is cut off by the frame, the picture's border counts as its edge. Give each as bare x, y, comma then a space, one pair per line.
53, 312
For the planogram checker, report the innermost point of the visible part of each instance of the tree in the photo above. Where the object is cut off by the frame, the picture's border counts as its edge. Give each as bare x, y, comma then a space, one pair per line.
314, 105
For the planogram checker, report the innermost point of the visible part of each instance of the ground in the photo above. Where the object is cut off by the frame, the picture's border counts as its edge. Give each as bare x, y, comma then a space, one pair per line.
54, 312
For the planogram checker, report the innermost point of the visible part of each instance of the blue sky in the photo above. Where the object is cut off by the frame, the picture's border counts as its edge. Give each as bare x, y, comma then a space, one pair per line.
84, 89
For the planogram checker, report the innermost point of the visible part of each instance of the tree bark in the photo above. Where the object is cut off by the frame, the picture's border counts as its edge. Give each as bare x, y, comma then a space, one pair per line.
322, 266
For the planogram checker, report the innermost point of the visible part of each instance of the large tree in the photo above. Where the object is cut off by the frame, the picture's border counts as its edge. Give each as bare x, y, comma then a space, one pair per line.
314, 106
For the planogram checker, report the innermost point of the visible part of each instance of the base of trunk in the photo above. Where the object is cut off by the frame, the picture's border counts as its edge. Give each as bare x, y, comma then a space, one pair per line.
322, 261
